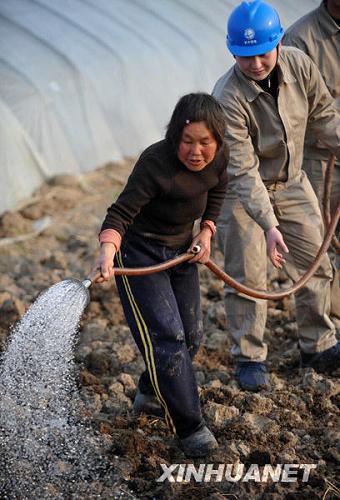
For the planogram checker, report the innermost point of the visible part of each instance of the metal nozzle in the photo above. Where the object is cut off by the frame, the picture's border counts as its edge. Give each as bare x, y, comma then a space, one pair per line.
87, 283
196, 248
92, 278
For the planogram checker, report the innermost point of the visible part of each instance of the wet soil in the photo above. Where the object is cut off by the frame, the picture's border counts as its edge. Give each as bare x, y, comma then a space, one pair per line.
53, 236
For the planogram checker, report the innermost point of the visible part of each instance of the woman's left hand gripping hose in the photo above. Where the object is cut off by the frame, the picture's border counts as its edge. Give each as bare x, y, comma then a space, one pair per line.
203, 242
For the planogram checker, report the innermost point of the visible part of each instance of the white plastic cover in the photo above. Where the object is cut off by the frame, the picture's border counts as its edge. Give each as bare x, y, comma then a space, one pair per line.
84, 82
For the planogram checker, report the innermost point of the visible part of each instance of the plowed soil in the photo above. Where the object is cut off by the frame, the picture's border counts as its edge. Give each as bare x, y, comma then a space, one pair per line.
296, 422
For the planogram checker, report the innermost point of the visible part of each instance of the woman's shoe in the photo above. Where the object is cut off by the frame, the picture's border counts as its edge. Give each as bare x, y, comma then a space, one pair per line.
199, 444
147, 404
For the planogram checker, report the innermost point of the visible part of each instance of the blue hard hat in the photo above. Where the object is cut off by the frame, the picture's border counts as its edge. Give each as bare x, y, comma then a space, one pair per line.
254, 28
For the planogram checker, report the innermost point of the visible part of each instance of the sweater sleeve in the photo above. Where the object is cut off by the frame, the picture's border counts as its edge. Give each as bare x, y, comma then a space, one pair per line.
142, 186
216, 196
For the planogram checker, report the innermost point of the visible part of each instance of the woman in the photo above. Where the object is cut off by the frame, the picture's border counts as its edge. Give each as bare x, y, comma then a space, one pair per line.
175, 182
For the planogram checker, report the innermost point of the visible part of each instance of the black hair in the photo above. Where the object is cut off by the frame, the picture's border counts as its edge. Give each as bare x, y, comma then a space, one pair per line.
196, 107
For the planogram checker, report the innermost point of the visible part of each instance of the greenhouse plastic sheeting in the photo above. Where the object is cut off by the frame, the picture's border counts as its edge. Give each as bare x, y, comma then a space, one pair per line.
84, 82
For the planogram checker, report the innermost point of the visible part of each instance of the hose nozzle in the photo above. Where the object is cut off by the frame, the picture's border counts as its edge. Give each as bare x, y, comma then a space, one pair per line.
87, 283
92, 278
196, 248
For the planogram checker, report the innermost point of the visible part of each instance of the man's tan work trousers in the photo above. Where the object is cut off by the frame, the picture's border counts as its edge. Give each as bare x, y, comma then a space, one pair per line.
316, 171
243, 242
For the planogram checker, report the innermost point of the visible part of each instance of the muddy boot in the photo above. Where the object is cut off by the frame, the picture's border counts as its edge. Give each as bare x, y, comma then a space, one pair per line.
252, 376
147, 404
198, 444
322, 362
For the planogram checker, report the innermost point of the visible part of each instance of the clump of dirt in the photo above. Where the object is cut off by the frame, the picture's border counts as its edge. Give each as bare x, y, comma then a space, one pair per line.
296, 422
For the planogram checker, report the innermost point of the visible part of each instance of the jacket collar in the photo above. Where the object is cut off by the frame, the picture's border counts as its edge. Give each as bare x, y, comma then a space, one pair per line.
251, 89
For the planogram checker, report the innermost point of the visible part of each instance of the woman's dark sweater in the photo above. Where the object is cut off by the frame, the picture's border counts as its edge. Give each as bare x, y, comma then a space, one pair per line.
162, 198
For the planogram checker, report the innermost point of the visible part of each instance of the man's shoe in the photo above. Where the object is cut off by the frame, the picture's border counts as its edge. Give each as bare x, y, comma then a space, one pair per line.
148, 404
325, 362
199, 444
252, 376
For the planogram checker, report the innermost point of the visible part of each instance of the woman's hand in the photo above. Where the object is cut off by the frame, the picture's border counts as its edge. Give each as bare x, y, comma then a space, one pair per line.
203, 239
105, 262
275, 240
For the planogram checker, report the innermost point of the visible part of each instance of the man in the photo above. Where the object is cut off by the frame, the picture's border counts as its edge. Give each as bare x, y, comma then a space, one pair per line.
318, 35
269, 96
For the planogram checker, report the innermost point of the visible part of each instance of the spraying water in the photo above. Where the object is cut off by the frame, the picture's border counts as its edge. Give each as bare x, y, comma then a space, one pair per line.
47, 449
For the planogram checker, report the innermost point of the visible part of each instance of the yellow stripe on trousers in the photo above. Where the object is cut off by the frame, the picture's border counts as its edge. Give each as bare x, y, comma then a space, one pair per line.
148, 349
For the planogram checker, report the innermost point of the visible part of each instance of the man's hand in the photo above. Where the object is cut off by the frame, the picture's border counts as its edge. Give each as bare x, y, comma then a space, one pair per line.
105, 262
275, 240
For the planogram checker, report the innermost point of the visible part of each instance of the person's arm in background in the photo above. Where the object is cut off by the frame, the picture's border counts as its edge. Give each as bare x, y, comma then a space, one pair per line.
323, 119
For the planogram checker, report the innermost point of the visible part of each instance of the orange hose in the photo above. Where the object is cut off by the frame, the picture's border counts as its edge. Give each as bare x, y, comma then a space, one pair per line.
299, 284
251, 292
326, 199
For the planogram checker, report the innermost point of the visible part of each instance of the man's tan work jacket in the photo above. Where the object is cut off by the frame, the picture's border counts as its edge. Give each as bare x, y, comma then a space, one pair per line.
266, 137
318, 35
